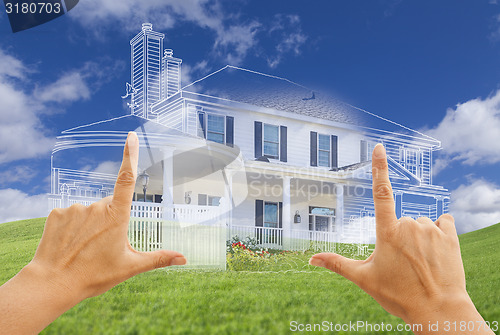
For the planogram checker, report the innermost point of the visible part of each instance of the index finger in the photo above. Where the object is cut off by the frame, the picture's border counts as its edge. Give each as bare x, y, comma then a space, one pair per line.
125, 183
383, 198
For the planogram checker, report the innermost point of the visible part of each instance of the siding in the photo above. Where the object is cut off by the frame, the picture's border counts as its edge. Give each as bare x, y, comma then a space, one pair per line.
298, 134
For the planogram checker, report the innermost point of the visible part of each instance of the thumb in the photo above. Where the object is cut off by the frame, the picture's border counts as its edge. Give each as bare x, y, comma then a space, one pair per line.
346, 267
147, 261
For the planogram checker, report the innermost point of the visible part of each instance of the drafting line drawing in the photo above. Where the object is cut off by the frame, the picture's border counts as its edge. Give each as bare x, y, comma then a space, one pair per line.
242, 153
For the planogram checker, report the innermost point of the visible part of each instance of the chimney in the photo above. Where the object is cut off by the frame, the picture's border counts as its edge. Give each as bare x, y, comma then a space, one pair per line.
171, 74
146, 57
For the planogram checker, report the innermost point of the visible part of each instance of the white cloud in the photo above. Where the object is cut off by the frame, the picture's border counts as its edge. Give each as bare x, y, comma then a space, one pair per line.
190, 73
470, 132
17, 205
11, 66
108, 167
70, 87
287, 30
234, 38
475, 205
22, 134
235, 42
22, 174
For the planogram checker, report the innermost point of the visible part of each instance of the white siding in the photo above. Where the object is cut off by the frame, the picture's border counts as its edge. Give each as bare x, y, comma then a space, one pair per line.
298, 134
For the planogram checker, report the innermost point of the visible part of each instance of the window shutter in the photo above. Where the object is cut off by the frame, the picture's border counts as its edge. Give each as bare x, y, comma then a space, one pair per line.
202, 200
363, 151
259, 213
283, 144
258, 139
335, 150
314, 148
229, 131
202, 131
280, 215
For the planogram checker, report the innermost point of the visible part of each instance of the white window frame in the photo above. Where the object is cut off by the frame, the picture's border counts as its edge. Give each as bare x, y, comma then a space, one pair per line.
329, 150
209, 199
223, 123
264, 141
331, 219
370, 145
413, 167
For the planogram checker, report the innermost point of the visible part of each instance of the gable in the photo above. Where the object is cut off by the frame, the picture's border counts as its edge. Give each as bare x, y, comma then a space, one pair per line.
397, 173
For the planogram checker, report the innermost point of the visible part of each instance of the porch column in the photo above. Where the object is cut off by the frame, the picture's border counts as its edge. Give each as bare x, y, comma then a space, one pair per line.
286, 216
168, 182
439, 206
229, 197
339, 211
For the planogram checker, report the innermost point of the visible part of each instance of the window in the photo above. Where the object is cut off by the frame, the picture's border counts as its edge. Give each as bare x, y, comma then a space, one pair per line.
271, 141
215, 128
324, 150
271, 214
411, 161
367, 150
321, 219
208, 200
140, 197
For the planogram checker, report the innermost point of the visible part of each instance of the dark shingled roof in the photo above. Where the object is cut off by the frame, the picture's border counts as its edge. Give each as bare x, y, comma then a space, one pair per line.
268, 91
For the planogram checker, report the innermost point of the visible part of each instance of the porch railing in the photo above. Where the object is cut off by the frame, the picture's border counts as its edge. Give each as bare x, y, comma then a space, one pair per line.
266, 237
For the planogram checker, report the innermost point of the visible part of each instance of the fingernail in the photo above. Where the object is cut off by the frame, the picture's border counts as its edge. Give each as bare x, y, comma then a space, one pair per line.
315, 261
131, 139
379, 151
181, 260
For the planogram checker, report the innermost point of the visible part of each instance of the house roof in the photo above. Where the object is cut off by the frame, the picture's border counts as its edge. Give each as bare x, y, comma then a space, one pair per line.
259, 89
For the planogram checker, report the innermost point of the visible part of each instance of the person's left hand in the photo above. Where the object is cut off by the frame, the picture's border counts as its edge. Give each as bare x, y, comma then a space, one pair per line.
86, 250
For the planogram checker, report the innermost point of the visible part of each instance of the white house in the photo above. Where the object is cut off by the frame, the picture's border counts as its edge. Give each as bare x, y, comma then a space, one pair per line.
243, 153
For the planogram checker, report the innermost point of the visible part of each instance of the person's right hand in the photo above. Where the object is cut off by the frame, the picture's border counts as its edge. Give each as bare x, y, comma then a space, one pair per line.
416, 270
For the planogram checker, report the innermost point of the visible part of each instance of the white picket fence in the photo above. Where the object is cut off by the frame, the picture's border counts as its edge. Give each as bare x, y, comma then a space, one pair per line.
198, 232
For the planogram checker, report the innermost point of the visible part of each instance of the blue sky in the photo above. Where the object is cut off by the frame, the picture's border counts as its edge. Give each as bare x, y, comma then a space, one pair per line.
432, 66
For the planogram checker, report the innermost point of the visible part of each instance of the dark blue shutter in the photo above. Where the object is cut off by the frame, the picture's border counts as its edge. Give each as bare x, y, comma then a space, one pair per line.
258, 139
314, 148
283, 145
335, 151
201, 123
259, 213
229, 131
158, 198
280, 215
363, 152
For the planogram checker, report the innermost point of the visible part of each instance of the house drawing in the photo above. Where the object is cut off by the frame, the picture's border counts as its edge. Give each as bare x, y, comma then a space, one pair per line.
239, 152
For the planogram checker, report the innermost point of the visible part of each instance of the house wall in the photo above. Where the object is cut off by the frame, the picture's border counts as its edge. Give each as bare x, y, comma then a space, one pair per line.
298, 138
303, 194
181, 114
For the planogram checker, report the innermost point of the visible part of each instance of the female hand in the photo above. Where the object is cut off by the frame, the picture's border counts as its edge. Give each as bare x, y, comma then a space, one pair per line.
416, 270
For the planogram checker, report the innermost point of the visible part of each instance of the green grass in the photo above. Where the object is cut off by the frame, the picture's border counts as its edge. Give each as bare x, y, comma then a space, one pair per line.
226, 302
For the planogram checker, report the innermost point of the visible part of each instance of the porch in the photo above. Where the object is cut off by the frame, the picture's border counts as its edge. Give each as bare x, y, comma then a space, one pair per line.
202, 232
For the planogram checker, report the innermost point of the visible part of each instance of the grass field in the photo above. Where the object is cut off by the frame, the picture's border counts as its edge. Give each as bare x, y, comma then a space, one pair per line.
227, 302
